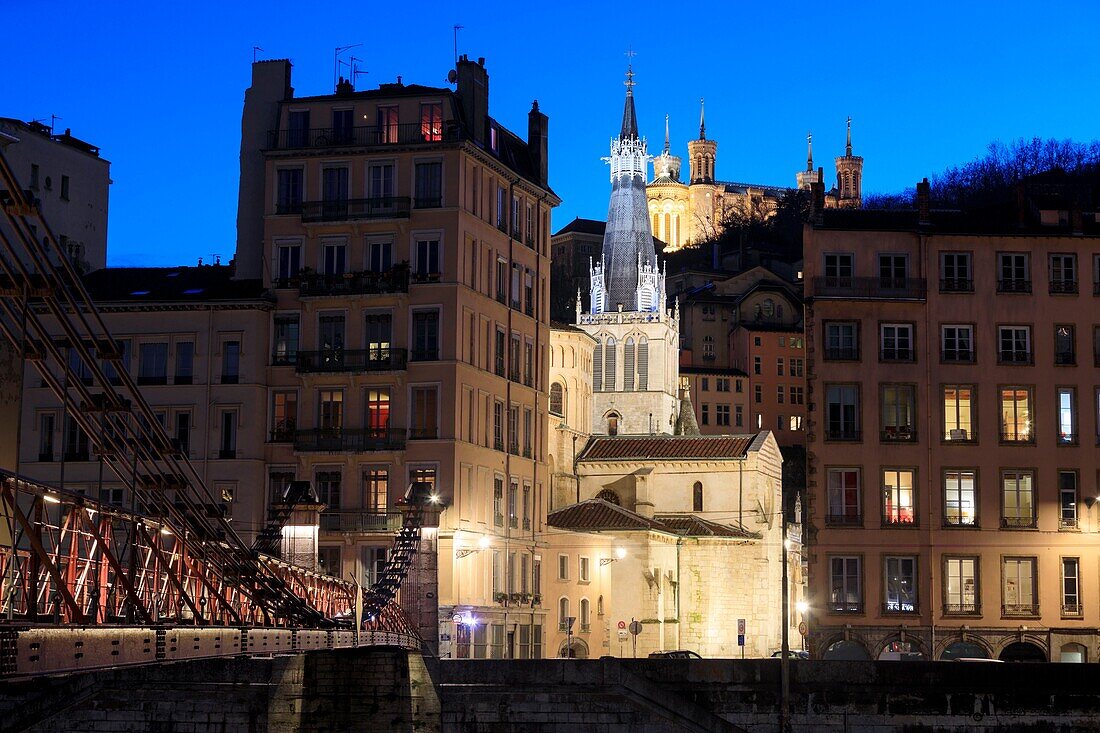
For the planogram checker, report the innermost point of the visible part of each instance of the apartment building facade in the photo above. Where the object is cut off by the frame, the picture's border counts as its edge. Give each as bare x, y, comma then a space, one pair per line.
195, 341
953, 418
404, 235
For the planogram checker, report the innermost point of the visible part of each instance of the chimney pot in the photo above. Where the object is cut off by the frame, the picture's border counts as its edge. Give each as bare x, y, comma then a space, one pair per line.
924, 204
480, 60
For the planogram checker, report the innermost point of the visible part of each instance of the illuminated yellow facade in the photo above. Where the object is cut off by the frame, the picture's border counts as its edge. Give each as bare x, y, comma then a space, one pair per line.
684, 213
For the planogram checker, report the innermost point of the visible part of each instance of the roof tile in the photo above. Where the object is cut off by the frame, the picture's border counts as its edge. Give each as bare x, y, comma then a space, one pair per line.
643, 447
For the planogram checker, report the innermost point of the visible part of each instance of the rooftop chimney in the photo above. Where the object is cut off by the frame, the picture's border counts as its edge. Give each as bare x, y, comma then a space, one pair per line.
473, 95
924, 203
538, 134
817, 198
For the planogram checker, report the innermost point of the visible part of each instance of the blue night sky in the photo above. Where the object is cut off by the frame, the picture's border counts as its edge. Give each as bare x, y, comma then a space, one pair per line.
927, 85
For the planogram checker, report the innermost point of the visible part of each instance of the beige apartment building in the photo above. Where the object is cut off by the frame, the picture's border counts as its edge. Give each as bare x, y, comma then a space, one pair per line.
195, 341
404, 235
953, 423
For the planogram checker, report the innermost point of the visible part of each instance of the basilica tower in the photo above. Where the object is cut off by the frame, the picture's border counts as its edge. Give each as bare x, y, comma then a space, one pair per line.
849, 176
635, 364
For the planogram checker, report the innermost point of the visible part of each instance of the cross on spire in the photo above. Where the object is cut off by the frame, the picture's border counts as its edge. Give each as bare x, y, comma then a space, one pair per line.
630, 54
702, 120
809, 151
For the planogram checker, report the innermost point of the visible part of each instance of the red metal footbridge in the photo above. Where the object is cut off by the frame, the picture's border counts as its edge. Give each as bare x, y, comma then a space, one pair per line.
85, 584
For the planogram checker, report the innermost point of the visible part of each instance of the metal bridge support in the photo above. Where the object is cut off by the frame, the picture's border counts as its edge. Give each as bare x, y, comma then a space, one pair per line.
420, 594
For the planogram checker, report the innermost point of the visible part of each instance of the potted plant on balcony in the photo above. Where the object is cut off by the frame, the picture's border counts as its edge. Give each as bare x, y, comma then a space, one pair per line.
501, 598
536, 600
517, 598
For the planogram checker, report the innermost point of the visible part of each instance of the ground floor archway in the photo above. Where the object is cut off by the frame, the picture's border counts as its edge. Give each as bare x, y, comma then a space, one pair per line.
1022, 651
573, 649
963, 650
848, 651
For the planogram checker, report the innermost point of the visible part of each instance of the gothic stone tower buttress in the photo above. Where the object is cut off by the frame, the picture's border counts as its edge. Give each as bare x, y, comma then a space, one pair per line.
635, 365
849, 176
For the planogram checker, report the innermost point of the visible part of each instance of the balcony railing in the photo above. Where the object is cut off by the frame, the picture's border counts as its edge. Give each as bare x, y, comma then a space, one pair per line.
962, 609
395, 280
845, 607
1065, 358
896, 354
956, 285
842, 353
360, 520
1063, 286
1013, 285
349, 439
844, 520
1072, 609
957, 356
383, 207
1018, 436
412, 133
1018, 522
899, 434
350, 360
1007, 356
900, 519
873, 288
1020, 609
424, 355
430, 433
851, 434
283, 433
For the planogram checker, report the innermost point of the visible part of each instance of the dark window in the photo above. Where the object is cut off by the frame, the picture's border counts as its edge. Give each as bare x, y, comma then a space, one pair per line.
298, 128
429, 185
286, 339
697, 497
231, 362
289, 191
425, 335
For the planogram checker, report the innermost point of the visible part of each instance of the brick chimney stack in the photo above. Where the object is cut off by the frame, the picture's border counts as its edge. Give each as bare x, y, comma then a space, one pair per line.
538, 141
817, 198
473, 92
924, 203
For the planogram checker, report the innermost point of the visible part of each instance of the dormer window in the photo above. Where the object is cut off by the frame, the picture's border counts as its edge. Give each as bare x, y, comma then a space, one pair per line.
431, 121
493, 139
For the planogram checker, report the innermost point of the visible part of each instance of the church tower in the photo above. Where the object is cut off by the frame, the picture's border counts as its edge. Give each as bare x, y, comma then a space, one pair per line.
808, 176
635, 369
702, 152
849, 176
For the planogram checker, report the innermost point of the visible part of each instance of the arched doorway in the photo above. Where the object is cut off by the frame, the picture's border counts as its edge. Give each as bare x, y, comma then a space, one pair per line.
573, 649
1022, 651
1073, 653
901, 651
848, 651
963, 650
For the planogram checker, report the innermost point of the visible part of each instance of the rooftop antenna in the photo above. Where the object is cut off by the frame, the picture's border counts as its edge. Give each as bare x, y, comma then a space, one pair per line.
254, 50
457, 28
55, 118
336, 61
355, 72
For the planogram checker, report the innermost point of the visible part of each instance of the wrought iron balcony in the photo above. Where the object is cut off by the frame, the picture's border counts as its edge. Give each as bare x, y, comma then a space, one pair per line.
1013, 285
428, 433
411, 133
1018, 522
1072, 609
1022, 436
1020, 609
842, 353
1065, 358
870, 288
845, 606
896, 354
1009, 356
900, 518
384, 207
844, 520
956, 285
1063, 286
283, 433
349, 439
350, 360
843, 434
360, 520
962, 609
957, 356
899, 434
395, 280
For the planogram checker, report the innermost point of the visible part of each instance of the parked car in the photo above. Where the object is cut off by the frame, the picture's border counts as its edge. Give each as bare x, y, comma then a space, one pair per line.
676, 654
792, 654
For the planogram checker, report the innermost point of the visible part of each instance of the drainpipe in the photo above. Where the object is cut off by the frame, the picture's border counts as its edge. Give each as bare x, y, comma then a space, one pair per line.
922, 240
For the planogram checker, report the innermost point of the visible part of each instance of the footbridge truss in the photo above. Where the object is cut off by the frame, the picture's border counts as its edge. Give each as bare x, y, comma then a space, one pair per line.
86, 584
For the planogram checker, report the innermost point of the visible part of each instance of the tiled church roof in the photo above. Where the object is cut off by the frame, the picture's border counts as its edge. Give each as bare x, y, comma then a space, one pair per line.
643, 447
595, 515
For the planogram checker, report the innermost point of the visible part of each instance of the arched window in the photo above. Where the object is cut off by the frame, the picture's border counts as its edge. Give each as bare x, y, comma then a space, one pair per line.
643, 364
613, 424
628, 365
557, 399
585, 615
563, 613
697, 497
610, 497
609, 364
597, 368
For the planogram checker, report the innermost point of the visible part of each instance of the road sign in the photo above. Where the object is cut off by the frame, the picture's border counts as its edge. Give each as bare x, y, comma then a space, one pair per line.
570, 620
622, 636
740, 640
740, 627
635, 627
622, 624
802, 628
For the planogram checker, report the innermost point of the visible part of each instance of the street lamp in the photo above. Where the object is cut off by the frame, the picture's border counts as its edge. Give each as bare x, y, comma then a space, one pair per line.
620, 553
482, 543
